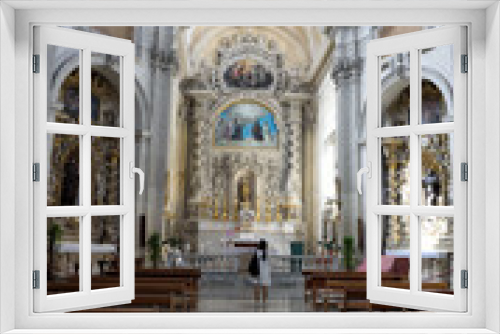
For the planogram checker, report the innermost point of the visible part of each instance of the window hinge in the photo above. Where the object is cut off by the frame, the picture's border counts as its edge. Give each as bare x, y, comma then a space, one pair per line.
36, 279
465, 279
36, 172
465, 64
36, 63
464, 171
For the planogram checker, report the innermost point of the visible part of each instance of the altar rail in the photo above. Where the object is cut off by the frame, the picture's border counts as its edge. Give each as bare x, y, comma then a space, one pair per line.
238, 263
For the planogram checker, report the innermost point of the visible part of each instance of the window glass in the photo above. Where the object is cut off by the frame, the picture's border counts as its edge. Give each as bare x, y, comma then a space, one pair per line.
63, 82
63, 255
63, 170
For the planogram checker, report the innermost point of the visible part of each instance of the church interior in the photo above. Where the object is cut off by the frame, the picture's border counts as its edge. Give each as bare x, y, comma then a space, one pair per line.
249, 133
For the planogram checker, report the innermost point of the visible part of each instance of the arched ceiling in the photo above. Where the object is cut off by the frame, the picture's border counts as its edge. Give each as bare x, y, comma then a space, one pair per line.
299, 45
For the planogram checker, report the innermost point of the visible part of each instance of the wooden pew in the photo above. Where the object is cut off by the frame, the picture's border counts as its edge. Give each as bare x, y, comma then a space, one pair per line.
154, 288
173, 295
351, 295
182, 293
188, 276
316, 279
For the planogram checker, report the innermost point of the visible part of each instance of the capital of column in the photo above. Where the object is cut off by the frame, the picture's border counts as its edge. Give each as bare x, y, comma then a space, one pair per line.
165, 60
345, 69
349, 57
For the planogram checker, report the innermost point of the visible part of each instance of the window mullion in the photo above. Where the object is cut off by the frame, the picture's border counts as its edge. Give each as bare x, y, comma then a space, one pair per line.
434, 128
66, 211
66, 129
86, 245
392, 131
86, 269
414, 170
86, 138
109, 210
441, 211
107, 131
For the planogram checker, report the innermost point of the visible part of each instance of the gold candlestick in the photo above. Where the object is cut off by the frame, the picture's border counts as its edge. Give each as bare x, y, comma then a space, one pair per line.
268, 211
235, 217
216, 209
206, 208
279, 217
225, 214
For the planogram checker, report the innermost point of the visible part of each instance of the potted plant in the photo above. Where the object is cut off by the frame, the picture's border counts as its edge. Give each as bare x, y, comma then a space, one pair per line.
154, 244
55, 236
348, 253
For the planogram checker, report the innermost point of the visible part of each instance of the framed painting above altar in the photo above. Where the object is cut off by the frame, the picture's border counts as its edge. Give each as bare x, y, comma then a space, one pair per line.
246, 124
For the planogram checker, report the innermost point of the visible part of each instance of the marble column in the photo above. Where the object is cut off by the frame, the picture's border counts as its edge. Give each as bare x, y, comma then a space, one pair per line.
163, 69
309, 152
349, 76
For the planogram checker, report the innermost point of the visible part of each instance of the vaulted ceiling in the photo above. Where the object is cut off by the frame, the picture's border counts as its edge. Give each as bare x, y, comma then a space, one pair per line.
301, 46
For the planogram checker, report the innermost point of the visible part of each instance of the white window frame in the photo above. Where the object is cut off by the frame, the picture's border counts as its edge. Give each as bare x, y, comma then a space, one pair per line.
85, 43
483, 101
413, 43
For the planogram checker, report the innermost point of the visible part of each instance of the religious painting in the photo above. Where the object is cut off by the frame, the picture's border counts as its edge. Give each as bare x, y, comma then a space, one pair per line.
247, 73
246, 125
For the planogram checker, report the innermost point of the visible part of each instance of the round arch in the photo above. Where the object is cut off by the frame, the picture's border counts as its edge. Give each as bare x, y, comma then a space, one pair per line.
393, 84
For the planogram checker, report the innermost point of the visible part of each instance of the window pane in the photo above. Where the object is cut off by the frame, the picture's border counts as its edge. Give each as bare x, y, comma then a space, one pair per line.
105, 91
105, 252
395, 252
63, 84
437, 254
105, 171
395, 88
437, 92
437, 169
63, 170
63, 255
395, 171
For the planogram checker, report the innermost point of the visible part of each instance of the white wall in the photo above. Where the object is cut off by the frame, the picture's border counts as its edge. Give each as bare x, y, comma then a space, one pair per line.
328, 323
7, 161
492, 149
327, 105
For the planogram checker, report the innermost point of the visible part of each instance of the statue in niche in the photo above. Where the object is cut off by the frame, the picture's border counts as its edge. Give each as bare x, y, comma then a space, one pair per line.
245, 192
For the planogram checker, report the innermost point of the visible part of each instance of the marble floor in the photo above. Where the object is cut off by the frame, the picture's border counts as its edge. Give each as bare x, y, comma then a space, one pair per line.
234, 293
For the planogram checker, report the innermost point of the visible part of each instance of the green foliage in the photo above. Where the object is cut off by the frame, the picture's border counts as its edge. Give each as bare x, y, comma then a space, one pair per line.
55, 233
154, 244
174, 242
348, 252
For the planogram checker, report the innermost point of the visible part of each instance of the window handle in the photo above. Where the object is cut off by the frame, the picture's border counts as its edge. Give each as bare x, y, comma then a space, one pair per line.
141, 176
364, 170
